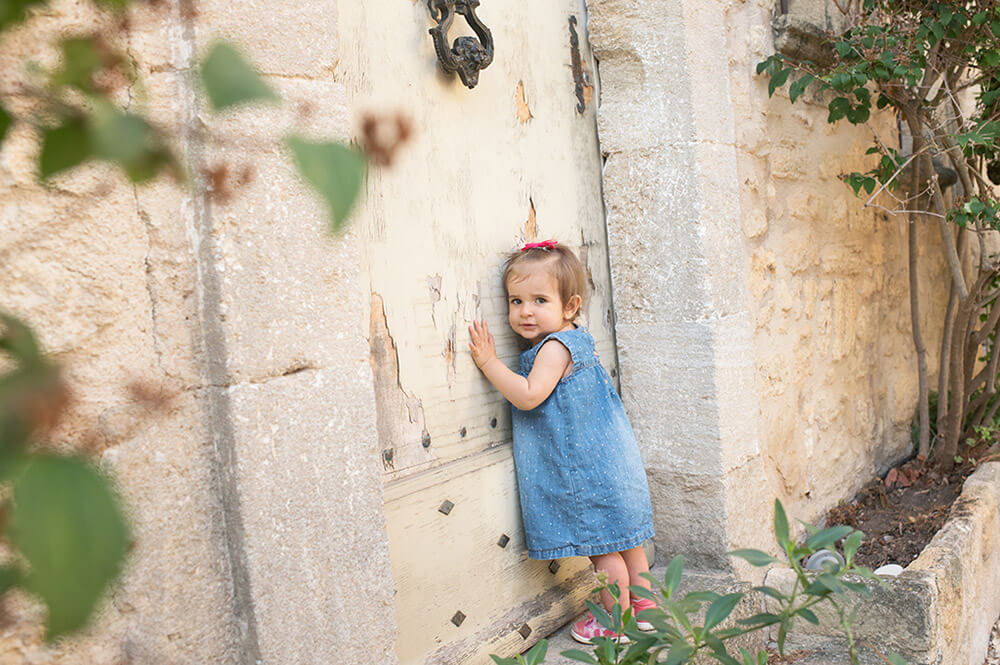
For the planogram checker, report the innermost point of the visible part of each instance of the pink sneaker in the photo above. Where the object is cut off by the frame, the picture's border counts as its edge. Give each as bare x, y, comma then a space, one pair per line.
640, 605
587, 629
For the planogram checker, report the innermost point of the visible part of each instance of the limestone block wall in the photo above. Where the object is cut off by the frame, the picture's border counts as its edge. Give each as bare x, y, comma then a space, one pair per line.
255, 495
828, 285
761, 311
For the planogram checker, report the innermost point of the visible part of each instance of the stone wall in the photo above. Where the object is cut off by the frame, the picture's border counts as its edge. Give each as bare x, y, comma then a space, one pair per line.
254, 495
769, 353
828, 284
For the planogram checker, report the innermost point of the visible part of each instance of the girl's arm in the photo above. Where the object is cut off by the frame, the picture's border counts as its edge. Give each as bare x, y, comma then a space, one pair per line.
528, 392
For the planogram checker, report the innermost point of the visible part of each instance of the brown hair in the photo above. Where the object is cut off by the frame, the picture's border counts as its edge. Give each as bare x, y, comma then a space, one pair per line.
560, 262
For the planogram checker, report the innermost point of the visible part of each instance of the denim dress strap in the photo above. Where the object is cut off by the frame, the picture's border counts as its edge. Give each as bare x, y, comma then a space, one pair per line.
577, 340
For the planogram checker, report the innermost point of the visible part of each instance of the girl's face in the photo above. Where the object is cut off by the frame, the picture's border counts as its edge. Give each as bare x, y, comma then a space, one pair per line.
535, 309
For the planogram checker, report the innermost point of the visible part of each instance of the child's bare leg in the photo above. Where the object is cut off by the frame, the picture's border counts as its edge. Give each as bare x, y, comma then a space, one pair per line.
636, 563
613, 565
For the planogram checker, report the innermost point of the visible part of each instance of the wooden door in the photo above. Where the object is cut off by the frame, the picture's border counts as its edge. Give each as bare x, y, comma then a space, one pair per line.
514, 159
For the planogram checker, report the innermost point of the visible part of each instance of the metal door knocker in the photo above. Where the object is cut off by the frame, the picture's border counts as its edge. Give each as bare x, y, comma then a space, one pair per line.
467, 55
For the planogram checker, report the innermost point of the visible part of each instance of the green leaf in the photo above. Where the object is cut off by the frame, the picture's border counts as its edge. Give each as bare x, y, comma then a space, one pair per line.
679, 653
334, 171
796, 89
17, 339
701, 597
64, 147
719, 610
851, 546
9, 576
824, 582
129, 141
858, 115
678, 613
536, 655
781, 524
896, 659
841, 81
80, 60
777, 80
67, 523
843, 49
857, 587
580, 656
808, 615
754, 557
13, 11
604, 647
5, 122
503, 661
116, 5
672, 577
641, 592
230, 80
601, 615
760, 620
839, 107
641, 644
660, 621
827, 537
770, 591
719, 652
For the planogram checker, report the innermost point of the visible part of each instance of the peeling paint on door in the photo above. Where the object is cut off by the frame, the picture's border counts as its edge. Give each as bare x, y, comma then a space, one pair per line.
476, 181
400, 415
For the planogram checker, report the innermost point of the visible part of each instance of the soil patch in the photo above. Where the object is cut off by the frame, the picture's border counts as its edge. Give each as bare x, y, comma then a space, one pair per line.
899, 514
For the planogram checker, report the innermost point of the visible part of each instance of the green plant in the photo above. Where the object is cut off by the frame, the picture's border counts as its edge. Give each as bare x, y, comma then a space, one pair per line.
923, 60
74, 111
534, 656
61, 518
59, 515
696, 623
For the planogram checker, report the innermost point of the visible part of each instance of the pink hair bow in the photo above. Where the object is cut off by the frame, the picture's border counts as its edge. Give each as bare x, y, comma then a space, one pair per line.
545, 244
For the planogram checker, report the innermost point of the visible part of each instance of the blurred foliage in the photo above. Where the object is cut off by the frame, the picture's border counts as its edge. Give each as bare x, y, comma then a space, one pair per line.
78, 119
61, 519
230, 80
333, 170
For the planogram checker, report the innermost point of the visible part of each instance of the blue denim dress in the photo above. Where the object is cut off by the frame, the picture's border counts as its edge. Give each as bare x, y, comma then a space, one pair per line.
580, 478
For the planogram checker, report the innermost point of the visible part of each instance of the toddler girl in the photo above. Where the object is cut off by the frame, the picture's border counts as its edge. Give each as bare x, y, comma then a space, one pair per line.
580, 478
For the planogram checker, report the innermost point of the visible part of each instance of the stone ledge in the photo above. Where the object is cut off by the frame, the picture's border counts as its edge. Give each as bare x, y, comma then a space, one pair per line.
940, 609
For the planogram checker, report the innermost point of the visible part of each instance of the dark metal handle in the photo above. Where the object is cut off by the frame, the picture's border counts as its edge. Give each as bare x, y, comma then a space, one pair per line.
468, 55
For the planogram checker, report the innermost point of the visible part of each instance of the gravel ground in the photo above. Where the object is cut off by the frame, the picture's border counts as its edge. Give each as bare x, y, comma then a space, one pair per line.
993, 652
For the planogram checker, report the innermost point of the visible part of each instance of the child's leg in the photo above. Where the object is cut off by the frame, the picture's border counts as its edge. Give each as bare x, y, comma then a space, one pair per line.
613, 565
636, 563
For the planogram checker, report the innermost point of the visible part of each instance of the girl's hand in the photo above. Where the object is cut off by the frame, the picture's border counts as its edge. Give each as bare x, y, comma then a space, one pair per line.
482, 346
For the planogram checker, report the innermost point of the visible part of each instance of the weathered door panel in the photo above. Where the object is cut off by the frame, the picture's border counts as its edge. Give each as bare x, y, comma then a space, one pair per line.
512, 160
460, 565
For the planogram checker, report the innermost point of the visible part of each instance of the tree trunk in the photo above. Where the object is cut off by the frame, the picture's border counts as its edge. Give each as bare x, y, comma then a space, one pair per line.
923, 408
